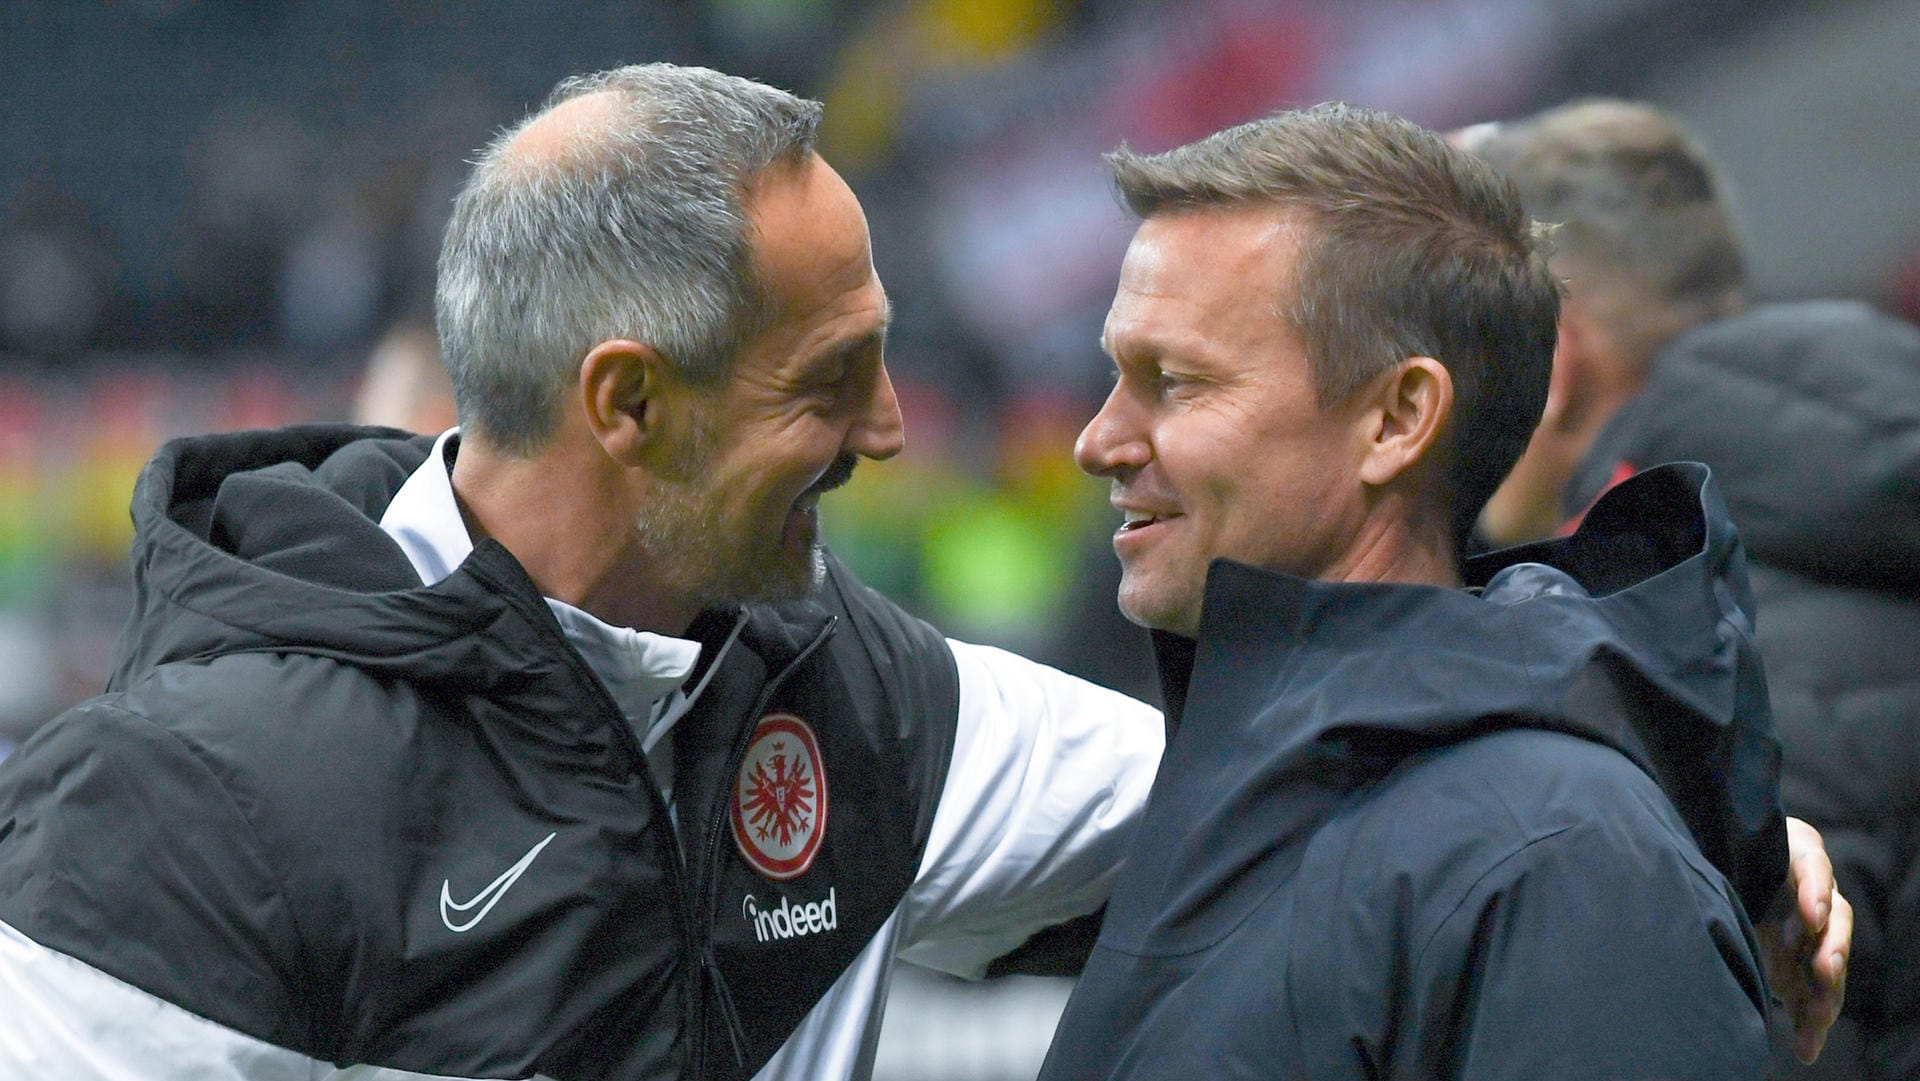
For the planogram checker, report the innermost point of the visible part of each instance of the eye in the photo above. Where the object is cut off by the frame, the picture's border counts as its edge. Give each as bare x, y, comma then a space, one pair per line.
1147, 376
830, 377
1172, 383
826, 377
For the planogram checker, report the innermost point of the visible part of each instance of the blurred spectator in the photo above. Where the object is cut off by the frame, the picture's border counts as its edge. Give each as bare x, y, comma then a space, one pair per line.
56, 277
1809, 415
433, 140
251, 193
1647, 247
331, 280
404, 385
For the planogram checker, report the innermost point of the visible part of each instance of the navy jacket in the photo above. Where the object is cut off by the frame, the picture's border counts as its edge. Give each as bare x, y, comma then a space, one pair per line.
1411, 832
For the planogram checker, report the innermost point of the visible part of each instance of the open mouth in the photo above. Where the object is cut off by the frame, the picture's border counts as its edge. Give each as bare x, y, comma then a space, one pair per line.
1138, 519
807, 507
839, 472
802, 526
1138, 526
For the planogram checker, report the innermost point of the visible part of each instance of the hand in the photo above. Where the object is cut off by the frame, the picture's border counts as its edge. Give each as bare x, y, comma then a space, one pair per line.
1806, 953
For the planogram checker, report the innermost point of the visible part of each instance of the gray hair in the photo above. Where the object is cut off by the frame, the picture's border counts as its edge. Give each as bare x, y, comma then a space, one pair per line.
635, 229
1644, 225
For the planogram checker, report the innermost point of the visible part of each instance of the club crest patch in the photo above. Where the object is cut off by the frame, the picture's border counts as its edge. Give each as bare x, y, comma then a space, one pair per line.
779, 807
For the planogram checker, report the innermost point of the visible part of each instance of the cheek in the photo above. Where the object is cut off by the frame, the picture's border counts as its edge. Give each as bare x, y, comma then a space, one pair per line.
1215, 479
1264, 499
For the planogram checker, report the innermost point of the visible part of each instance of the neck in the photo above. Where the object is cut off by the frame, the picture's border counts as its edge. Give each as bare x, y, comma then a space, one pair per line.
1399, 543
566, 514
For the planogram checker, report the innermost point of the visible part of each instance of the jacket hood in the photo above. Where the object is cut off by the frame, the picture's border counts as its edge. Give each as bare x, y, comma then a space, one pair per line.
1809, 414
270, 542
1634, 632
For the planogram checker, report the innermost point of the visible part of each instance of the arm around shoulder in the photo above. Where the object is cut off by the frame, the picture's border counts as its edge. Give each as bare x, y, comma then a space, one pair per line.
1049, 777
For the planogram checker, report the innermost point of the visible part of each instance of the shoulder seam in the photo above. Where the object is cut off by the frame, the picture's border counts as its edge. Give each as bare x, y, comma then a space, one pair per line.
203, 760
1472, 888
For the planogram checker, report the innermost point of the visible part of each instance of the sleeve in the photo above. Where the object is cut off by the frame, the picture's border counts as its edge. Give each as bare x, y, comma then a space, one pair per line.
1049, 777
141, 934
1581, 958
66, 1019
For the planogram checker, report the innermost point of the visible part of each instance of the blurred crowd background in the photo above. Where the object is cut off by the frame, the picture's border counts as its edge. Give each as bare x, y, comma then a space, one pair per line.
213, 213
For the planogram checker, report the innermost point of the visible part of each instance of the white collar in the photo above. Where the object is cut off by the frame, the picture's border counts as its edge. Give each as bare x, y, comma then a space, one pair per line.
639, 668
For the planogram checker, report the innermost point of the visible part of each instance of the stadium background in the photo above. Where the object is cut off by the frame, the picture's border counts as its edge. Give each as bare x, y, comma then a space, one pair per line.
211, 211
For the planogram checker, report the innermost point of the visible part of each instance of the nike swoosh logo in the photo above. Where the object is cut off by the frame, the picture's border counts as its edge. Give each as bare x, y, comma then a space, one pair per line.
490, 896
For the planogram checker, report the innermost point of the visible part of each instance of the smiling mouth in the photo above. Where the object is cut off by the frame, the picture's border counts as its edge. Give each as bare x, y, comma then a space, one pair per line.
837, 474
1140, 520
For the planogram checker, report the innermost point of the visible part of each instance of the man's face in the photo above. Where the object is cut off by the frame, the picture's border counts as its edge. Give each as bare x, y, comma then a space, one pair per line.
1212, 436
805, 399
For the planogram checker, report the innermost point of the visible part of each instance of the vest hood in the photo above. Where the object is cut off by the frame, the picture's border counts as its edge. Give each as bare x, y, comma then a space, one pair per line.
270, 542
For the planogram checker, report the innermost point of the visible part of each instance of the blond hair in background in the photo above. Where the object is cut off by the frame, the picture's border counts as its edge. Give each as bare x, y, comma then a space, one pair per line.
404, 385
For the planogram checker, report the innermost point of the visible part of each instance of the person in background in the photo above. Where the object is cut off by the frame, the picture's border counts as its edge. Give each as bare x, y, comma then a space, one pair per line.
1644, 239
1413, 820
404, 385
1809, 415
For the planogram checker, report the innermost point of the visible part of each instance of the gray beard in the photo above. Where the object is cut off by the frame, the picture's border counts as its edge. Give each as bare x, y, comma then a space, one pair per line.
678, 531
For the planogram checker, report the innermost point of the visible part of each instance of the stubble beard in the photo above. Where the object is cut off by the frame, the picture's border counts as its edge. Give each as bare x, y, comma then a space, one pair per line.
681, 529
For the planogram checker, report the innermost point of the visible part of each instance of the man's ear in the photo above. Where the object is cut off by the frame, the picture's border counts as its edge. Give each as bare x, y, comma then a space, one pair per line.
621, 386
1411, 405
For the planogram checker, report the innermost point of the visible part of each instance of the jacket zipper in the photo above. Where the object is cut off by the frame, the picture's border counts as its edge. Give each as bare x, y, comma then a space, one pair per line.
679, 875
723, 998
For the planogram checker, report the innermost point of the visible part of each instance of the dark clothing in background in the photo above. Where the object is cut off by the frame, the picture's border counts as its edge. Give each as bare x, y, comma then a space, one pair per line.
1809, 415
1411, 832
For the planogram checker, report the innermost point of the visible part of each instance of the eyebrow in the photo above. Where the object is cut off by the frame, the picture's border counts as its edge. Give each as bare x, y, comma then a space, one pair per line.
876, 336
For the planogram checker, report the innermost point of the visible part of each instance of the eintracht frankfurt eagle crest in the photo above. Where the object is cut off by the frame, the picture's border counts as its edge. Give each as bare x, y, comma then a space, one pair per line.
780, 798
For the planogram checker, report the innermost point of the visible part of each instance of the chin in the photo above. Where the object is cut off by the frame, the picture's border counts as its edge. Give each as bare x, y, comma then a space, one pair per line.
1158, 613
785, 576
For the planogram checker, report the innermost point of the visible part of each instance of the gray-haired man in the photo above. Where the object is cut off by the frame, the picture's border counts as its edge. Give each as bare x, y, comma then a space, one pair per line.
554, 745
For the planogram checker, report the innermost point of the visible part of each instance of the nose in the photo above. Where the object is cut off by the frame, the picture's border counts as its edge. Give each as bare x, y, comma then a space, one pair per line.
880, 431
1111, 442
